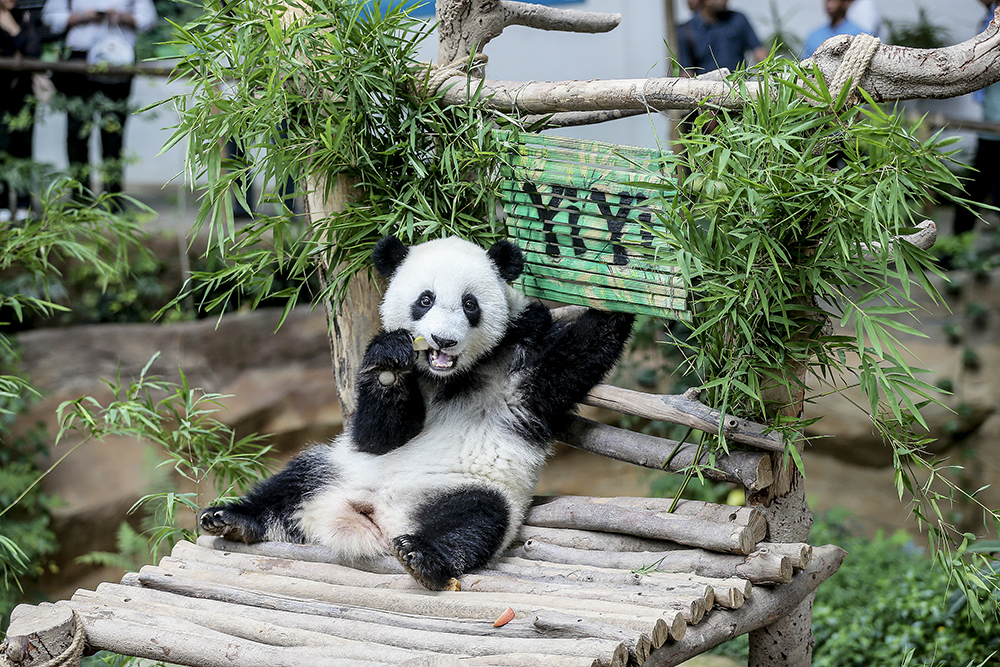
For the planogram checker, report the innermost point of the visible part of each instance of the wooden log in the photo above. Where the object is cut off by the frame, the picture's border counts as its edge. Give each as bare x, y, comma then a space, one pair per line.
689, 530
763, 570
741, 515
594, 541
302, 614
720, 513
331, 573
730, 592
352, 638
798, 554
37, 635
486, 581
640, 645
751, 469
768, 605
449, 604
528, 660
207, 649
684, 409
304, 552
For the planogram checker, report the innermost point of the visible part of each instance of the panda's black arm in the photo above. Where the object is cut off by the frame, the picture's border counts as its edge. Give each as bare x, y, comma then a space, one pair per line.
390, 408
565, 362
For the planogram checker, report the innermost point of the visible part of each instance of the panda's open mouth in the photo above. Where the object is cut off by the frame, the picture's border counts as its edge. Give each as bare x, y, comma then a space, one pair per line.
440, 361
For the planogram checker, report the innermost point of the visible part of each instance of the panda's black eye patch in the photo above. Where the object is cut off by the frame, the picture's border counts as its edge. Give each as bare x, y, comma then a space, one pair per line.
423, 303
470, 304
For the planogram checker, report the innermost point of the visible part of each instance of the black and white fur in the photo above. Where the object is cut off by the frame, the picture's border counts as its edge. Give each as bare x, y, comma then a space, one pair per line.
441, 457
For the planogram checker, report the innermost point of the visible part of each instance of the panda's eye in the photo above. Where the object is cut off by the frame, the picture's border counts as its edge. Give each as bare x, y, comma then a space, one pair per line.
470, 304
426, 300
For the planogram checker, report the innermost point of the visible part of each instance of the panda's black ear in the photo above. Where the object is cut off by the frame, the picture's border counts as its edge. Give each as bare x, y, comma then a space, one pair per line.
388, 254
507, 258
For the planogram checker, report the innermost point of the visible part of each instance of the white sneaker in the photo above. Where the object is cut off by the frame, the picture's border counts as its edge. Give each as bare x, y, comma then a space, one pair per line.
21, 215
4, 216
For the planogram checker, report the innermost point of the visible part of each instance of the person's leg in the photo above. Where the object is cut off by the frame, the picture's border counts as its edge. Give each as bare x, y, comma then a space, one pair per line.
113, 135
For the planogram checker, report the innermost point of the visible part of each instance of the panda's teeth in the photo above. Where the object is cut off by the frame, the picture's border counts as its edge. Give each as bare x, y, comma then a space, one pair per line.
441, 360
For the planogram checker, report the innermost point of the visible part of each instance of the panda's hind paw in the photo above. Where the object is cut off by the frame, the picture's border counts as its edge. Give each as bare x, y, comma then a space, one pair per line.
424, 563
223, 522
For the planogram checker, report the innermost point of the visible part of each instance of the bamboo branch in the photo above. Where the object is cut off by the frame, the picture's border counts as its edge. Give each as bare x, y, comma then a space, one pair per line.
684, 409
768, 605
758, 567
689, 530
750, 469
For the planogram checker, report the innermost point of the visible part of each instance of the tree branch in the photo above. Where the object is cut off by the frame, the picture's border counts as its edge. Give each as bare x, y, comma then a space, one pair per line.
895, 73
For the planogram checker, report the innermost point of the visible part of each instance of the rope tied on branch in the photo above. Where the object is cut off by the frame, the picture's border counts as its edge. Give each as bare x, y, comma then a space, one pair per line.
434, 76
856, 61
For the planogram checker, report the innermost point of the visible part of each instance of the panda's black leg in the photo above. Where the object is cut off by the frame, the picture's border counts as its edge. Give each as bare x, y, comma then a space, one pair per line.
456, 532
390, 408
266, 512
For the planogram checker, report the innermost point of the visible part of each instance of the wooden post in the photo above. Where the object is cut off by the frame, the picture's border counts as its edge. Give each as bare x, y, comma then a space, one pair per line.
43, 635
353, 321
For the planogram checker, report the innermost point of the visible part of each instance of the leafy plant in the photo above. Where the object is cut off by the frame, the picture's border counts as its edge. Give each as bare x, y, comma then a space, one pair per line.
340, 101
34, 249
786, 217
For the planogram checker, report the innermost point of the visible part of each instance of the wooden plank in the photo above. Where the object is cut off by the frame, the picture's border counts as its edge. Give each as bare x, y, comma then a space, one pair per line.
662, 305
601, 264
598, 152
616, 206
587, 177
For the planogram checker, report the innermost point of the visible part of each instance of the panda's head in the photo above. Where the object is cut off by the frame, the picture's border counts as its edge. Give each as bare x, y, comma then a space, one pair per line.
451, 292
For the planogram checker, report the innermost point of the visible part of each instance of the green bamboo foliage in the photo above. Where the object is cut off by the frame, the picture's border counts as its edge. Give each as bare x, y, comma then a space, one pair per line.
334, 91
783, 224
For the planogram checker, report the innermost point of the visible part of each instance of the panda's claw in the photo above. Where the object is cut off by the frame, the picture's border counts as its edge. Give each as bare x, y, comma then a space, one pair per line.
224, 523
421, 565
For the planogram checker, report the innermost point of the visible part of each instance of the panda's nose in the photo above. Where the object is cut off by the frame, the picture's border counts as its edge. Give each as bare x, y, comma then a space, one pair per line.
444, 343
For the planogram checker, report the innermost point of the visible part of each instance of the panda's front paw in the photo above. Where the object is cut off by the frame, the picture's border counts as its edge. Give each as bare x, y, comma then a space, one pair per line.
425, 563
390, 354
225, 523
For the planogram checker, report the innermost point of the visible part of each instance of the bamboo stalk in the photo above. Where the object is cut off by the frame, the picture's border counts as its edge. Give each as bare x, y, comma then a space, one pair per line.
750, 469
689, 530
758, 568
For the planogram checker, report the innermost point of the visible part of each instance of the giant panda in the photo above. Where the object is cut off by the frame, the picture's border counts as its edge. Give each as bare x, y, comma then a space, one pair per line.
439, 462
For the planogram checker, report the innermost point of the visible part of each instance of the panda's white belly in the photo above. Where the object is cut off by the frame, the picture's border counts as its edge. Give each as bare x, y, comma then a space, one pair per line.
374, 497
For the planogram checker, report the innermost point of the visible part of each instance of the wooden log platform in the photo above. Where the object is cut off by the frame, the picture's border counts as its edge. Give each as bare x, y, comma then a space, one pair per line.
591, 582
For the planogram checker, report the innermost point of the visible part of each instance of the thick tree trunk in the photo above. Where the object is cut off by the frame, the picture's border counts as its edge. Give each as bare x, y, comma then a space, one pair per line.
354, 320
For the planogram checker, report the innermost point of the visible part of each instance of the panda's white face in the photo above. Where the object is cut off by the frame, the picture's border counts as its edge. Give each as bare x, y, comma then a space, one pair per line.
449, 292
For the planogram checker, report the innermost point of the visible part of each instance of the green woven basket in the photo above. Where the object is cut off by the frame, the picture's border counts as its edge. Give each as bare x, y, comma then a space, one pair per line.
579, 212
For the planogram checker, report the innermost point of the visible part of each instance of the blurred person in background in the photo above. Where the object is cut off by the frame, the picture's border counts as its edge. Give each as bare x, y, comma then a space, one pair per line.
18, 37
985, 184
717, 37
93, 24
839, 24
